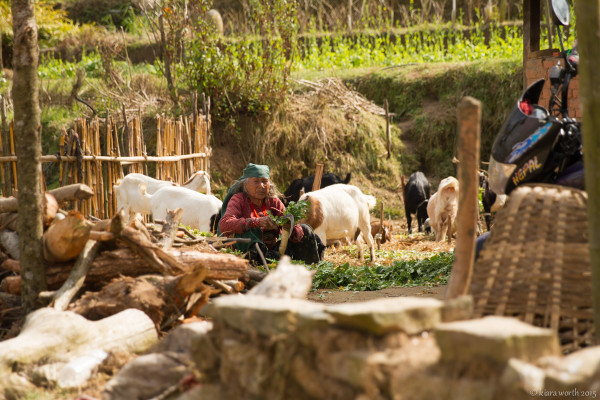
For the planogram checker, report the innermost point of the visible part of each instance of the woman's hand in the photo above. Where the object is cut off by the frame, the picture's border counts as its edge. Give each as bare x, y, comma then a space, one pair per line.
267, 223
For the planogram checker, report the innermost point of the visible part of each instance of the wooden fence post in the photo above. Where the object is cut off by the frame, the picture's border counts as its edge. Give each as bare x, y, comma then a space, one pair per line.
469, 131
387, 128
318, 175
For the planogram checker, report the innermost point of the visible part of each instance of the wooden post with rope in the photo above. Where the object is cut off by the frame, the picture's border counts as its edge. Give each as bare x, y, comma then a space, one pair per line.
469, 132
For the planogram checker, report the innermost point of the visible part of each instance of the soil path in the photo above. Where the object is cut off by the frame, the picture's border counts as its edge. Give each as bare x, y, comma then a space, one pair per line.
332, 296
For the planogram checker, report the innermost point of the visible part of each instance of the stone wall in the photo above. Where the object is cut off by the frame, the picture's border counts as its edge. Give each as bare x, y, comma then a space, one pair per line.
258, 347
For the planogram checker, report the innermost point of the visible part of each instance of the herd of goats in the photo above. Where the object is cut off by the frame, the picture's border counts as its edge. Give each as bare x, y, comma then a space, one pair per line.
339, 212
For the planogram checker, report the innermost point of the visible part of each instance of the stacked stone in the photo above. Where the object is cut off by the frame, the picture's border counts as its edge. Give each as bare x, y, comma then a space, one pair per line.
399, 348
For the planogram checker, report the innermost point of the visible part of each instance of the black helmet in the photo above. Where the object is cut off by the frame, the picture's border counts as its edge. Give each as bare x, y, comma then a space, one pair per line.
522, 147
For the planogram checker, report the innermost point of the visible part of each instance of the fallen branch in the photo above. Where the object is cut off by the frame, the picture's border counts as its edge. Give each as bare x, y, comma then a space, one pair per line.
74, 282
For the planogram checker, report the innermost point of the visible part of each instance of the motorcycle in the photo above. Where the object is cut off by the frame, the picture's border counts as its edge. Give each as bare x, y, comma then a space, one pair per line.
537, 144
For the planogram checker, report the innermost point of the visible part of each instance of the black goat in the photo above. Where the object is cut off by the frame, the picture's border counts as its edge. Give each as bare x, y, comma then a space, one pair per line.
489, 199
416, 197
293, 191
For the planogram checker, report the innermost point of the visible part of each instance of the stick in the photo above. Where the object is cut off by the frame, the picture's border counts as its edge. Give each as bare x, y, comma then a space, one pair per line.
262, 257
74, 282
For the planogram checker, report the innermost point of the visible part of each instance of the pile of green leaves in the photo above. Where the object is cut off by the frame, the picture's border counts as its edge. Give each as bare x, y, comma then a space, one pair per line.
428, 271
297, 209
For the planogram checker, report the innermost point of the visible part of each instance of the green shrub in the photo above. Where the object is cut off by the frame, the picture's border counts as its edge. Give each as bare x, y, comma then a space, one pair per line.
248, 75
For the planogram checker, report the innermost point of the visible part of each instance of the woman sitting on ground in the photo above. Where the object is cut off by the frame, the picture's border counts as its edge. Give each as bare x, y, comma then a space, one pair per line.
244, 215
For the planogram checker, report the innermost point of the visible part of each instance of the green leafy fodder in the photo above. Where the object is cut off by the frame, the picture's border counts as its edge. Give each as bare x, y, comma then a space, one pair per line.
429, 271
297, 209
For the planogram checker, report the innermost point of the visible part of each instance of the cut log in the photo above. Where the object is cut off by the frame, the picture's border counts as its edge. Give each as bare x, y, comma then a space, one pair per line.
10, 265
76, 191
151, 253
109, 265
11, 285
158, 296
49, 204
65, 238
9, 204
57, 336
49, 208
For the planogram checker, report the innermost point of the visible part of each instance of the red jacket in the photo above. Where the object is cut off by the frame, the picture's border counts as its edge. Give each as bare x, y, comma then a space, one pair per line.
239, 216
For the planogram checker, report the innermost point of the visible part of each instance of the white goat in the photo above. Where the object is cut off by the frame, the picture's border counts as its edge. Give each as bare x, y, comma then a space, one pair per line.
198, 208
338, 211
442, 209
129, 195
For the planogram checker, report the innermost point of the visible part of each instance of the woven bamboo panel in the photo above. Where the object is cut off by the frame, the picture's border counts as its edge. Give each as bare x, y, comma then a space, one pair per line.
535, 264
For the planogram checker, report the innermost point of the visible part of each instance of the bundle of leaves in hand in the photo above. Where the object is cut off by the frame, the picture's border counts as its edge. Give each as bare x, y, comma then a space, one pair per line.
297, 209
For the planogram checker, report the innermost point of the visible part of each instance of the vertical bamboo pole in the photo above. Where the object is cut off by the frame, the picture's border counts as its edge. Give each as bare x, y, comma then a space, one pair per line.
12, 153
189, 149
99, 174
159, 143
4, 146
110, 179
145, 166
469, 133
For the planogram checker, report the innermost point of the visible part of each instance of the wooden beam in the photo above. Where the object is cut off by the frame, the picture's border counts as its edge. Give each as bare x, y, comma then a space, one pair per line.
531, 32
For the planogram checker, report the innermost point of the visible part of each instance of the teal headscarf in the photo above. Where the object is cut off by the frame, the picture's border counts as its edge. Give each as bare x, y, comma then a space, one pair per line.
256, 171
251, 171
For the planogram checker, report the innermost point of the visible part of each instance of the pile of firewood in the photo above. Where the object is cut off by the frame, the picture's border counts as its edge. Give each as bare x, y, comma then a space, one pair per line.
99, 268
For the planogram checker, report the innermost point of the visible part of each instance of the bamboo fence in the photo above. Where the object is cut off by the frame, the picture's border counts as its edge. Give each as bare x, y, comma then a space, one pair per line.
98, 153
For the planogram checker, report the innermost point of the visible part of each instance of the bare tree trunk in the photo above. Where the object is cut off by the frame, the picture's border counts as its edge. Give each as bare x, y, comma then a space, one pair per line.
166, 58
28, 150
588, 26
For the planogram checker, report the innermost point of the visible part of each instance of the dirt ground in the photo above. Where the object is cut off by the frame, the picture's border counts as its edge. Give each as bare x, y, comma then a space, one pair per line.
332, 296
402, 246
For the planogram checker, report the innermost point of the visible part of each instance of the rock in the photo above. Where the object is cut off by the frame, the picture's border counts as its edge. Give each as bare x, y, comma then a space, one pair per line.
248, 365
519, 379
408, 314
314, 384
180, 339
494, 339
147, 376
261, 315
287, 281
580, 369
423, 385
457, 309
205, 391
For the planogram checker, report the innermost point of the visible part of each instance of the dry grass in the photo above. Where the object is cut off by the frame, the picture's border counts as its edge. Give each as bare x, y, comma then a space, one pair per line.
402, 247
